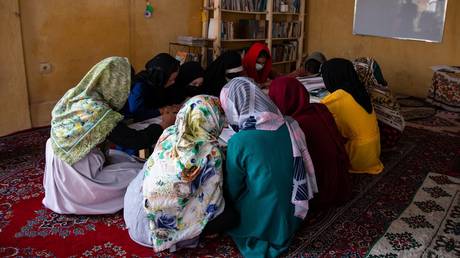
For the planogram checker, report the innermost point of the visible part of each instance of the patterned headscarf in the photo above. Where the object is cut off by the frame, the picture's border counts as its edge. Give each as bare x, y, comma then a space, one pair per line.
183, 177
385, 104
86, 114
248, 108
369, 73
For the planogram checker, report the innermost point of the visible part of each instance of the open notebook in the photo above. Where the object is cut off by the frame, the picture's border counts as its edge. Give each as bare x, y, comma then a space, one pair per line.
223, 138
315, 86
144, 124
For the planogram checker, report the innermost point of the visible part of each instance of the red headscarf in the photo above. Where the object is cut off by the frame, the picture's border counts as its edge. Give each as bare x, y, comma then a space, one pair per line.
324, 140
250, 59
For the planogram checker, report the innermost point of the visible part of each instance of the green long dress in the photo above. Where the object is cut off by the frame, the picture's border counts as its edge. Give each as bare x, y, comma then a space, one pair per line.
259, 183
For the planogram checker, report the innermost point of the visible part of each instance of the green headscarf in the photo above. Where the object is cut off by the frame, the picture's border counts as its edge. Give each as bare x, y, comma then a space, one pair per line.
86, 114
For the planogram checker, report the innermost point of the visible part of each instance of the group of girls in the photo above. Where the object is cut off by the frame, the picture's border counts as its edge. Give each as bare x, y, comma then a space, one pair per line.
287, 155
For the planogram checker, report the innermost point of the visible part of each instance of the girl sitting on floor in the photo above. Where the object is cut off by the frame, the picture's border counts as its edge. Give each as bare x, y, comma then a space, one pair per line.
270, 176
81, 177
226, 67
354, 115
325, 143
189, 83
257, 64
148, 97
179, 192
391, 122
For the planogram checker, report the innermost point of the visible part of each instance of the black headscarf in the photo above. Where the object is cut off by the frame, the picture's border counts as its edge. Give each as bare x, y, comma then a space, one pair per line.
155, 76
181, 89
339, 73
214, 77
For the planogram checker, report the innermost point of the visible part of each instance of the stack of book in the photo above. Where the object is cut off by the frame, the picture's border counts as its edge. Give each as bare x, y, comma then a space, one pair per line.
228, 30
245, 5
284, 52
244, 29
315, 86
286, 29
284, 6
191, 41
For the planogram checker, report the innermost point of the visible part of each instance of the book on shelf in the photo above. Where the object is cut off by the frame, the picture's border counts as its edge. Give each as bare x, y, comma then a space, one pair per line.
286, 29
286, 6
212, 28
284, 52
245, 5
244, 29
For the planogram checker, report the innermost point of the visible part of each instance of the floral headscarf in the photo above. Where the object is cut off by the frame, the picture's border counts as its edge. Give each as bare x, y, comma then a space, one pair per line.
248, 108
183, 177
87, 113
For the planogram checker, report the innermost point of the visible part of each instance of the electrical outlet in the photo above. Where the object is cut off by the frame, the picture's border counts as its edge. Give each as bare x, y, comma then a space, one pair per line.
45, 68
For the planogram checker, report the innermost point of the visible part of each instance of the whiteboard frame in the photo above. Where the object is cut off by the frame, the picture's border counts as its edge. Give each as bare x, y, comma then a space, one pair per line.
402, 38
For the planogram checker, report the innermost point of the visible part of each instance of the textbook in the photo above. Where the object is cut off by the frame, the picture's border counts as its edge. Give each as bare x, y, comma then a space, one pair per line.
315, 86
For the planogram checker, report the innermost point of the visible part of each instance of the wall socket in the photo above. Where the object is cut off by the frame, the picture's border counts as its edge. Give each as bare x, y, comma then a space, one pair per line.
45, 68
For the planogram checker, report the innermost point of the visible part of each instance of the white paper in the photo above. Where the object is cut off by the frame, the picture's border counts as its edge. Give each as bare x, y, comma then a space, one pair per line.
314, 99
226, 134
144, 124
312, 83
212, 30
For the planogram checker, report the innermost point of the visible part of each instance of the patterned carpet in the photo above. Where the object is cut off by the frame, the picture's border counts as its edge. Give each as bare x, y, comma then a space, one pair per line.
420, 114
28, 229
429, 227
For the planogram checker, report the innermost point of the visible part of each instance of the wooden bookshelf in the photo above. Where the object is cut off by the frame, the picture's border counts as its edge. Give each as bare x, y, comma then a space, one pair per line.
219, 14
273, 39
285, 13
242, 12
242, 40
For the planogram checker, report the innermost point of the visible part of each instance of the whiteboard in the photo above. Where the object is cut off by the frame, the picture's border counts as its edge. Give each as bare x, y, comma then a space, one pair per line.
402, 19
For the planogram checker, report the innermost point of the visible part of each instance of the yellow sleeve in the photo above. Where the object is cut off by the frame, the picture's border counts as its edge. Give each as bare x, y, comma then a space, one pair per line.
334, 103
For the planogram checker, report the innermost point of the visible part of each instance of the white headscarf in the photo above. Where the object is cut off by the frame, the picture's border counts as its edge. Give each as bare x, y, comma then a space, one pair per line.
248, 108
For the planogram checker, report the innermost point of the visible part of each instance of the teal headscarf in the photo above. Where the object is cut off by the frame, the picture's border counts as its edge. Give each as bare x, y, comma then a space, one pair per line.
87, 113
